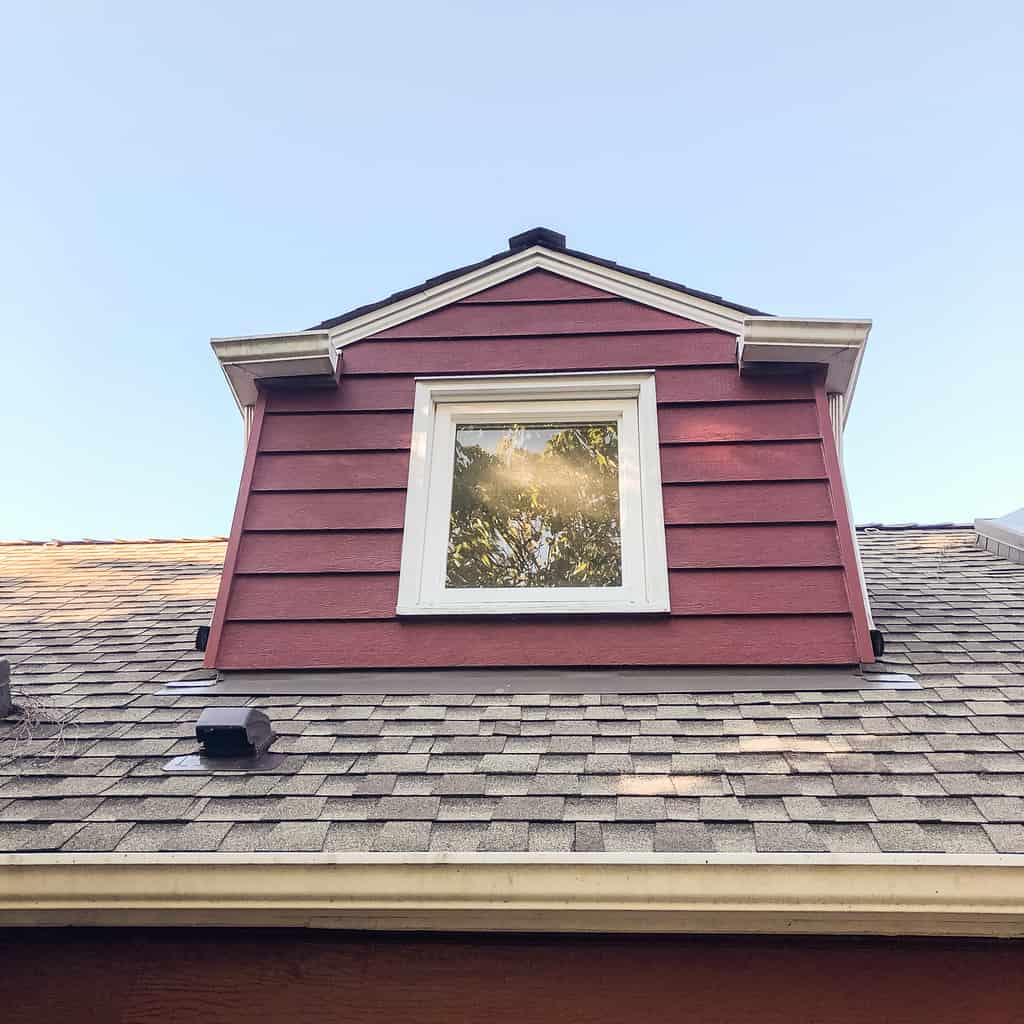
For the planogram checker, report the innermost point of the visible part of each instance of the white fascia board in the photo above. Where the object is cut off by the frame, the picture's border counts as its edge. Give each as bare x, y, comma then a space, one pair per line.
248, 359
617, 282
670, 893
837, 344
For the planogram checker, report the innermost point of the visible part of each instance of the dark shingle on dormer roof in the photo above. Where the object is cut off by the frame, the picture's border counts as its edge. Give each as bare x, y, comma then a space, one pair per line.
587, 257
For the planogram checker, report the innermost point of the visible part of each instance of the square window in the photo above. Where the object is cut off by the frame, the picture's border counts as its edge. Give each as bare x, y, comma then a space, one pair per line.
534, 494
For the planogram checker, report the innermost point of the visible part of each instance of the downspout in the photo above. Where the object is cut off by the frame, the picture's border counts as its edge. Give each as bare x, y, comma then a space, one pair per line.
248, 412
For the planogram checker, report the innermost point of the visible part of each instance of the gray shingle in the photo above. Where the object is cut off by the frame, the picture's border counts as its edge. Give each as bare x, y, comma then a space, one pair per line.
904, 838
925, 767
296, 837
422, 808
530, 808
351, 836
620, 837
35, 837
551, 837
456, 836
97, 837
403, 837
505, 837
466, 808
742, 809
682, 837
588, 837
1006, 838
787, 837
847, 838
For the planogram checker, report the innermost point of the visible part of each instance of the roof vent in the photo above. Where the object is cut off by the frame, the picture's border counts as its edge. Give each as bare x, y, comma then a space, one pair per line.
1003, 536
233, 732
537, 236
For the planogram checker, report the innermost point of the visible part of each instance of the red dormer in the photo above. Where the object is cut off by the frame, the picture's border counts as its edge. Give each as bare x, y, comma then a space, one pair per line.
543, 460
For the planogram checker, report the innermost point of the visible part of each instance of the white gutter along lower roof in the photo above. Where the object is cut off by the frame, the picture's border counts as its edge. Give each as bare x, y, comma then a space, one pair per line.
761, 893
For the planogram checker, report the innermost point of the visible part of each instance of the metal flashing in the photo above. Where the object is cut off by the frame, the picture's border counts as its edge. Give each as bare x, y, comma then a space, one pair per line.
501, 681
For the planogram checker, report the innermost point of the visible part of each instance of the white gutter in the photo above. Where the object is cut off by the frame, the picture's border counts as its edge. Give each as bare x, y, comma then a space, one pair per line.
247, 360
837, 345
760, 893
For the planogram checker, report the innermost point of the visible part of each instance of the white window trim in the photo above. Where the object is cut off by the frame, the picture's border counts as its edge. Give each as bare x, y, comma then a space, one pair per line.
442, 402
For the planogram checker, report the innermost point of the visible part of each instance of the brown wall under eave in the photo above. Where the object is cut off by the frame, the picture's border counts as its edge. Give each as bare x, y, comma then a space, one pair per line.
105, 976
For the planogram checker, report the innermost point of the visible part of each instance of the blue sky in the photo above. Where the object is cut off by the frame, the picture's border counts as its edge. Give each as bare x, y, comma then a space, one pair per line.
174, 172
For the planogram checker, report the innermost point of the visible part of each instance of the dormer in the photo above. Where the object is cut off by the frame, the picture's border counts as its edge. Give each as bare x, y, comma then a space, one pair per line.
543, 460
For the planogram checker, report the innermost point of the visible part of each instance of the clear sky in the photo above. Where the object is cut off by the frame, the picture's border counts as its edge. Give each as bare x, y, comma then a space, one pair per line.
171, 172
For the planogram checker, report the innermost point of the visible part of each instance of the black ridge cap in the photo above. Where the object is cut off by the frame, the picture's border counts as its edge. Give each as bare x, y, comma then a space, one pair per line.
536, 236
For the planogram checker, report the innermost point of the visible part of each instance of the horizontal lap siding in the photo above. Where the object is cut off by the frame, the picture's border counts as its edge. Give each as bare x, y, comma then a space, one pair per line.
541, 355
483, 643
756, 570
713, 592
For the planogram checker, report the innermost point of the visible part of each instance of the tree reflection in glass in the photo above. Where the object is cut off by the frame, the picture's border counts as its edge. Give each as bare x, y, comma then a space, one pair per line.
535, 506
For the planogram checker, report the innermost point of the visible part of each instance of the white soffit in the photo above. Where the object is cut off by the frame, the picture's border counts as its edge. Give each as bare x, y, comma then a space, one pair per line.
836, 344
246, 360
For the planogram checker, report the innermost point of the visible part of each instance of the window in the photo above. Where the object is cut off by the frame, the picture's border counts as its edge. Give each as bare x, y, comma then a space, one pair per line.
534, 494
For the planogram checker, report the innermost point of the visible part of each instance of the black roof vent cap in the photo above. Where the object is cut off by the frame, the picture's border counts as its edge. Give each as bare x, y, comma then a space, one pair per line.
233, 732
537, 236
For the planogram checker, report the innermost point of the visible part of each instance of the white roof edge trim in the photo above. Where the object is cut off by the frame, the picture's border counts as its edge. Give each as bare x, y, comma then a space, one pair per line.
837, 344
611, 279
759, 893
248, 359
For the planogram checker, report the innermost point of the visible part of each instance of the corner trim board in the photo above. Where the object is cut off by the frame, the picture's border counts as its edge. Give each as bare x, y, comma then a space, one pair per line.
227, 575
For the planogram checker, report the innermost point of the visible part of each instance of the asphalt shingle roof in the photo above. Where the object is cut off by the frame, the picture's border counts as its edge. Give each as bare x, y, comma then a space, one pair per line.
96, 630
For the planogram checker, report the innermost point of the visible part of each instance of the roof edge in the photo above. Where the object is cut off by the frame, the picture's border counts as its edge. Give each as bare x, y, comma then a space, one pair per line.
533, 240
673, 893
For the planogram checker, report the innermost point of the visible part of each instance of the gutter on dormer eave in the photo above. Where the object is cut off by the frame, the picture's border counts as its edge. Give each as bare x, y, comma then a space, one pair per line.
251, 360
838, 345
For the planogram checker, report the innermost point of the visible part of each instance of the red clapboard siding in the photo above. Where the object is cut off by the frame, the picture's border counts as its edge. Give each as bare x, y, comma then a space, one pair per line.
758, 591
693, 384
353, 394
758, 576
515, 319
783, 460
537, 286
330, 510
339, 431
748, 422
724, 384
539, 355
363, 551
701, 547
728, 640
320, 597
687, 504
335, 471
715, 592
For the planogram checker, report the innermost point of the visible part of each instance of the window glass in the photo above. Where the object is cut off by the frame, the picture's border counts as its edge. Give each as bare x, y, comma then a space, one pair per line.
535, 506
